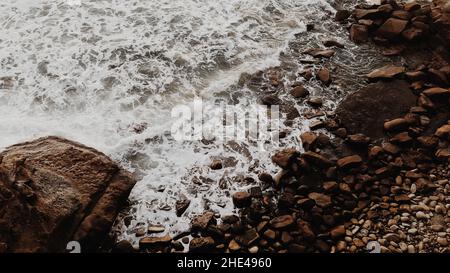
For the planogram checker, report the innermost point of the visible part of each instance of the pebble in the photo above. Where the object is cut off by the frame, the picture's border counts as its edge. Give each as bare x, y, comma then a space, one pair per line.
411, 249
421, 215
253, 250
412, 231
442, 241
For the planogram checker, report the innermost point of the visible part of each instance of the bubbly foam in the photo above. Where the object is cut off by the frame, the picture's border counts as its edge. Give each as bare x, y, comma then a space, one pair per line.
107, 74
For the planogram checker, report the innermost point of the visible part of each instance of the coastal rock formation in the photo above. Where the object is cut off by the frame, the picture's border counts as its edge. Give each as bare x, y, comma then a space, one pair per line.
53, 191
366, 110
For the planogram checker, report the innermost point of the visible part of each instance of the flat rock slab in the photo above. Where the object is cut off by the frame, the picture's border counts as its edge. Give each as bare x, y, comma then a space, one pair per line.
53, 191
366, 110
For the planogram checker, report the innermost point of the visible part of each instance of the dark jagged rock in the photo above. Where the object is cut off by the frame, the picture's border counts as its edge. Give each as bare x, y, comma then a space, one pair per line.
366, 110
59, 191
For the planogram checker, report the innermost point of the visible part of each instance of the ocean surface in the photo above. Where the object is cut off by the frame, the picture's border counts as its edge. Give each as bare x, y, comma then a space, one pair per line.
108, 73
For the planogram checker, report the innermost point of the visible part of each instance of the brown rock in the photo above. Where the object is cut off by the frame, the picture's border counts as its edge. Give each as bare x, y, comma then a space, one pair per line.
386, 72
359, 33
331, 43
270, 100
349, 161
321, 200
341, 15
315, 101
317, 159
392, 28
323, 75
242, 199
216, 165
366, 110
201, 244
366, 13
308, 140
443, 154
53, 191
282, 221
248, 238
401, 14
412, 6
413, 33
154, 242
181, 206
338, 232
285, 157
201, 222
306, 231
358, 139
443, 132
396, 124
436, 92
321, 53
299, 92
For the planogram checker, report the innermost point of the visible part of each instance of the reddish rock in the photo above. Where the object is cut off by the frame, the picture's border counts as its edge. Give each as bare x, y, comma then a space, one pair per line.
366, 13
299, 92
436, 92
321, 53
392, 28
282, 221
321, 199
305, 230
285, 157
308, 140
386, 72
242, 199
324, 76
317, 159
349, 161
359, 33
396, 124
201, 244
443, 132
201, 222
401, 14
53, 191
413, 33
154, 242
338, 232
342, 15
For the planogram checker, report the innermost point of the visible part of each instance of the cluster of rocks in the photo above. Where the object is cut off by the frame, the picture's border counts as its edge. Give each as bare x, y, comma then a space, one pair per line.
392, 21
383, 177
53, 191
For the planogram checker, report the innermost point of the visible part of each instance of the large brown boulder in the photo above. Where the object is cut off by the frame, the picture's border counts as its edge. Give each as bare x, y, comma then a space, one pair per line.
53, 191
366, 110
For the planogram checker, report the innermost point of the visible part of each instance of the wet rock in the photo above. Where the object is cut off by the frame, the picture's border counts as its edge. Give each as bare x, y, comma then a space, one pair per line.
315, 101
155, 229
181, 206
332, 43
216, 165
154, 242
123, 246
366, 13
338, 232
321, 53
248, 238
321, 200
436, 92
202, 221
242, 199
358, 139
285, 157
366, 110
386, 72
299, 92
349, 161
305, 230
323, 75
396, 124
342, 15
266, 178
359, 33
392, 28
270, 100
201, 244
443, 132
281, 222
308, 140
317, 159
59, 191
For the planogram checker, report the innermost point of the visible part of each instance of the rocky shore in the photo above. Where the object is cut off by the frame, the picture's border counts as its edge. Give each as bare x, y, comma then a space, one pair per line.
371, 176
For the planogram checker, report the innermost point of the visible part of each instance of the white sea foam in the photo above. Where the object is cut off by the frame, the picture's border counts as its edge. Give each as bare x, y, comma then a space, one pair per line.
94, 72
